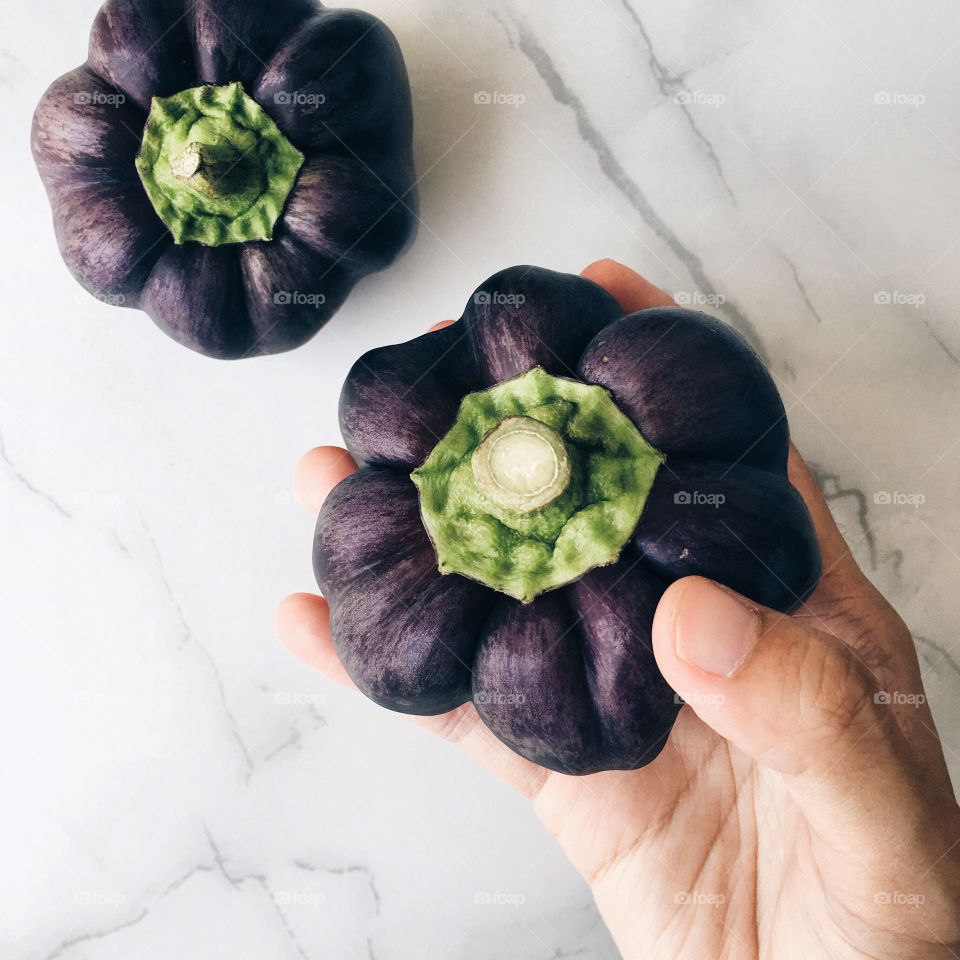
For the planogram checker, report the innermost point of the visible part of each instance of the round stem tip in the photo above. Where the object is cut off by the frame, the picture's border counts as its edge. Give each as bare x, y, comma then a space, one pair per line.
522, 465
184, 166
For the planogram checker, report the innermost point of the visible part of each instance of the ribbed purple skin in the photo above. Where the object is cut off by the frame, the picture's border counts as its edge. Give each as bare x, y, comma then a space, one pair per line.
696, 386
569, 680
335, 83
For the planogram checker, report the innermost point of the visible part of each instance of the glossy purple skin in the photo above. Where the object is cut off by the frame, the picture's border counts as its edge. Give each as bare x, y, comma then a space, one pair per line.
352, 209
653, 358
750, 525
569, 680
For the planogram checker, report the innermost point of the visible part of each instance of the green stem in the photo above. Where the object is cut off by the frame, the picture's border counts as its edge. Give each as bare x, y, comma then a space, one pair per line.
216, 171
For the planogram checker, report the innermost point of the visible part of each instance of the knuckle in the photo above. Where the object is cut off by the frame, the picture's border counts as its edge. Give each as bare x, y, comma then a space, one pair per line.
836, 692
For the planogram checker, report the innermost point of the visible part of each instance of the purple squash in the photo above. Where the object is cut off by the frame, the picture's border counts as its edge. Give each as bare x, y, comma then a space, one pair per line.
231, 168
531, 480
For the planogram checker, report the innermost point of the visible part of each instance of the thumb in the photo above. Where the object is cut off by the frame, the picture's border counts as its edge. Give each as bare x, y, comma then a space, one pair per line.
793, 698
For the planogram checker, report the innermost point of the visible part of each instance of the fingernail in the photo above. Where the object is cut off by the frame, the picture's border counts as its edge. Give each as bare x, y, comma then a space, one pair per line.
714, 630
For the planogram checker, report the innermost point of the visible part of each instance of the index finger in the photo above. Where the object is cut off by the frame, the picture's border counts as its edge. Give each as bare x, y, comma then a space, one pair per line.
318, 471
627, 287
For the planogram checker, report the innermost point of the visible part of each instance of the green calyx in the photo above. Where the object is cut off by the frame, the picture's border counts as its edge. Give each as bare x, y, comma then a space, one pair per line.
216, 168
539, 480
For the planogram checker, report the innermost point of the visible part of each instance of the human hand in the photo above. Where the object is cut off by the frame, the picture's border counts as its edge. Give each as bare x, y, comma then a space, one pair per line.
793, 812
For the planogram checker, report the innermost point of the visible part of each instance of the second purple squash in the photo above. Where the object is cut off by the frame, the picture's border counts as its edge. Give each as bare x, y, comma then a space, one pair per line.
230, 168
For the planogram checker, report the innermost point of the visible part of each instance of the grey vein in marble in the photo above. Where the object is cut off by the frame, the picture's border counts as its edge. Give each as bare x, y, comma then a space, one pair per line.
936, 336
294, 741
188, 637
945, 656
28, 485
670, 84
829, 484
70, 942
61, 948
800, 285
31, 488
614, 170
261, 881
344, 871
218, 865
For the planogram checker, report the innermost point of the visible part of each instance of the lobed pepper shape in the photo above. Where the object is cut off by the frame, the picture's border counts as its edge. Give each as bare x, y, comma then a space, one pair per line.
446, 586
231, 168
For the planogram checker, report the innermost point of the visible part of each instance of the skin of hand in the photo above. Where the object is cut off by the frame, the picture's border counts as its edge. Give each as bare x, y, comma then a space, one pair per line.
802, 806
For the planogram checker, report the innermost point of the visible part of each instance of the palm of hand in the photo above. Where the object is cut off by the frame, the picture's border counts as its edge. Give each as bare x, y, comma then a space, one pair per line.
706, 853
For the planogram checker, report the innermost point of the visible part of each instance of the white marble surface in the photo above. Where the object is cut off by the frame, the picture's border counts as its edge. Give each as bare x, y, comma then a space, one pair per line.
176, 786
